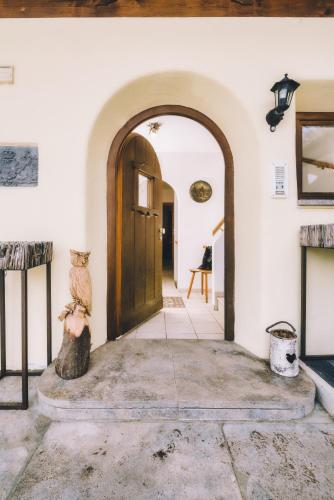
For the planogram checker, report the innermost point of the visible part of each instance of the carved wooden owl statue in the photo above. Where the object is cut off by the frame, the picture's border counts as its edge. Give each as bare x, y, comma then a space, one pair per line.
80, 281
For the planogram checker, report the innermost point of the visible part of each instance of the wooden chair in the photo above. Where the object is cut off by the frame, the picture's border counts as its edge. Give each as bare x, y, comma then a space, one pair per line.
204, 282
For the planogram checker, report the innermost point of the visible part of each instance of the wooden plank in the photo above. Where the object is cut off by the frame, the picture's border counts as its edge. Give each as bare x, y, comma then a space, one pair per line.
150, 260
20, 255
140, 262
128, 230
166, 8
317, 236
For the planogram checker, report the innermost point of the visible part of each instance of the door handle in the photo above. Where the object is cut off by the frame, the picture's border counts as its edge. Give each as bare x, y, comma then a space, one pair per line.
162, 231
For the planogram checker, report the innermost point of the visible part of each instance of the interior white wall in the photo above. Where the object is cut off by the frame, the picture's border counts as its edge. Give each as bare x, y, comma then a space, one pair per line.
218, 266
318, 144
75, 87
320, 300
195, 220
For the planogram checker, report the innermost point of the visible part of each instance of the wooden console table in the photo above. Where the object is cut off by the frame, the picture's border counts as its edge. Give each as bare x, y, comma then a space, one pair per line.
315, 236
22, 256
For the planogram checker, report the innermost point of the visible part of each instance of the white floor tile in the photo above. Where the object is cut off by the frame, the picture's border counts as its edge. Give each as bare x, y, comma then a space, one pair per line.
175, 321
180, 329
180, 335
210, 336
196, 320
151, 335
200, 316
131, 335
208, 328
151, 329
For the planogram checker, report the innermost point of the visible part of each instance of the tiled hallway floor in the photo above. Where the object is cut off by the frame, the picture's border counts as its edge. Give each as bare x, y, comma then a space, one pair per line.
197, 320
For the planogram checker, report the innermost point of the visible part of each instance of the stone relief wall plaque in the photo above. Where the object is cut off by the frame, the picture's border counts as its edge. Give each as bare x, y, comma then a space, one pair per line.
18, 165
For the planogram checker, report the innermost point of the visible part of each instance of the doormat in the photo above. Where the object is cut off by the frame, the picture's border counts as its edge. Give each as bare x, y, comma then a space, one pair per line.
173, 302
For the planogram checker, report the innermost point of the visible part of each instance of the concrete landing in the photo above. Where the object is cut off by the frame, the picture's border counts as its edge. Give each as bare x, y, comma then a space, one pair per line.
180, 460
175, 380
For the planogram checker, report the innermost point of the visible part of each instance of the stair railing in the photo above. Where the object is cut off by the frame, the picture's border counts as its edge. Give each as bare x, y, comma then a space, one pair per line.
218, 227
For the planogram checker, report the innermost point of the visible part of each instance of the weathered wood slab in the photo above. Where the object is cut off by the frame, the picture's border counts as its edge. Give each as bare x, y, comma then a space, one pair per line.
21, 255
317, 236
166, 8
73, 358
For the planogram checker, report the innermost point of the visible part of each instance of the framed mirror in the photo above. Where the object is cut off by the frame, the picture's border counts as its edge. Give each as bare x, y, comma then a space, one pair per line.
315, 158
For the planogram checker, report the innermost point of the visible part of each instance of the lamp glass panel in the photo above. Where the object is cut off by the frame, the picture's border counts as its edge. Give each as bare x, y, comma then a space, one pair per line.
289, 98
282, 96
318, 159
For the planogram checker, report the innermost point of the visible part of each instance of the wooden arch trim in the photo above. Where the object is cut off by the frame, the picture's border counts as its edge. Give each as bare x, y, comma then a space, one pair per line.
113, 238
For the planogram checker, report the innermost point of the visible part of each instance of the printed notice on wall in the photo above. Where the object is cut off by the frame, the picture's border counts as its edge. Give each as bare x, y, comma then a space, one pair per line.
6, 74
280, 180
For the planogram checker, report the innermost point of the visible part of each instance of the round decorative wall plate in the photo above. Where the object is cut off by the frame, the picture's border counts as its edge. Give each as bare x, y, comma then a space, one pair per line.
200, 191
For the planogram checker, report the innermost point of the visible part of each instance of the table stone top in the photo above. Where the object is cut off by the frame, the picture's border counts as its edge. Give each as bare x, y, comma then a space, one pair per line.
21, 255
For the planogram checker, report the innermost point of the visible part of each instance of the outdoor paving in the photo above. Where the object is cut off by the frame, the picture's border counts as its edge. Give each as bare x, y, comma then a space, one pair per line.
20, 432
130, 461
165, 460
273, 461
176, 379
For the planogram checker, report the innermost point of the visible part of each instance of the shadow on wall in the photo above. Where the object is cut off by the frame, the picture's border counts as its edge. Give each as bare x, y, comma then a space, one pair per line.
224, 108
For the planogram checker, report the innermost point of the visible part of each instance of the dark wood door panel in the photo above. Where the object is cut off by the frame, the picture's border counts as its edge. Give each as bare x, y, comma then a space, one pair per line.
141, 257
150, 260
139, 252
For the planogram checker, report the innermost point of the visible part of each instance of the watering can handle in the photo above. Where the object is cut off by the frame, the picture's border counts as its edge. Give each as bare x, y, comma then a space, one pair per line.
279, 323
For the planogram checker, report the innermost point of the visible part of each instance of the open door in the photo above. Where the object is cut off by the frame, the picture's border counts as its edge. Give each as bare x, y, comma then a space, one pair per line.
140, 211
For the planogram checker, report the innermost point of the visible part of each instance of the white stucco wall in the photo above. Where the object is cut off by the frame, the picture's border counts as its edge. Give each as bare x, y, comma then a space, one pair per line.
77, 81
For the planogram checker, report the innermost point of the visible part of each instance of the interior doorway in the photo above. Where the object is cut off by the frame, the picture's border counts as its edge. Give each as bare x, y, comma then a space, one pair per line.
168, 226
116, 243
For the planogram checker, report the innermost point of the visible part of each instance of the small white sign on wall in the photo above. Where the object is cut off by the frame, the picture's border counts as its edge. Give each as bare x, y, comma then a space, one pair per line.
6, 74
279, 179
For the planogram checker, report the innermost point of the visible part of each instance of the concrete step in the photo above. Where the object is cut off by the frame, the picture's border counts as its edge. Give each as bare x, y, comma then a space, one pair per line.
175, 379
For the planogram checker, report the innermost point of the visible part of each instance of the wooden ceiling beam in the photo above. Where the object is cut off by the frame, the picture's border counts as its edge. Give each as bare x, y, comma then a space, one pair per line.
165, 8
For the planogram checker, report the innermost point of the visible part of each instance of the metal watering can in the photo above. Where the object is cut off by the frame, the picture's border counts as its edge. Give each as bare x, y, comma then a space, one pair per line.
283, 350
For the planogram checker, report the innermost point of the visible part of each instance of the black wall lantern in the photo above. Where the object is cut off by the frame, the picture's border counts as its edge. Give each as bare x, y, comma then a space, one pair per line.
283, 90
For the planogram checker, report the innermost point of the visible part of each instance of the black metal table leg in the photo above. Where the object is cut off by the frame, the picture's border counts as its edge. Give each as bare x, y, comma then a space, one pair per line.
24, 312
48, 313
24, 372
303, 302
2, 324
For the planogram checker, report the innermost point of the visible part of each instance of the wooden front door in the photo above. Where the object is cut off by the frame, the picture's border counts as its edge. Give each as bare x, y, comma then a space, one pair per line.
140, 204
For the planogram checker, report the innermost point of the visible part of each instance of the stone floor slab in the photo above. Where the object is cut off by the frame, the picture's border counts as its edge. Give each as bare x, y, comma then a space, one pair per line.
122, 374
283, 461
127, 461
186, 379
20, 432
211, 374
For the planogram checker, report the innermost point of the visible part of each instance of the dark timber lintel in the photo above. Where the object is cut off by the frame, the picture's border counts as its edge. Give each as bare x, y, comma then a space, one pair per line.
166, 8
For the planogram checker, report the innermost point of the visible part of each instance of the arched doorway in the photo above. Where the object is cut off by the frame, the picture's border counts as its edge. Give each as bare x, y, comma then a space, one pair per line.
113, 241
